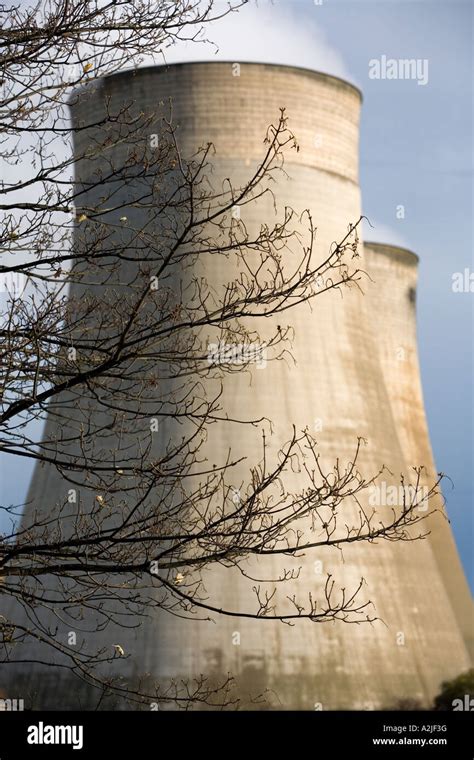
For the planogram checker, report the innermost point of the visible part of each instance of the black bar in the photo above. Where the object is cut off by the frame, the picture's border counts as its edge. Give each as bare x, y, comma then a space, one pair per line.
213, 734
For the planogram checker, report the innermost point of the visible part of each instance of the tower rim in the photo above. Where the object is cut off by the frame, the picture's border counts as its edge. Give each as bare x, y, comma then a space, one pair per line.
393, 251
330, 78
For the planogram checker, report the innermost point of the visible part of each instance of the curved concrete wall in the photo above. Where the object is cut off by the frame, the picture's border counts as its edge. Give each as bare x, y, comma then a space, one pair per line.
392, 294
336, 377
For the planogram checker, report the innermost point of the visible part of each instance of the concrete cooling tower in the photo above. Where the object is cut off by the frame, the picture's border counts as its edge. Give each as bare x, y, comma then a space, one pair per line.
393, 298
343, 381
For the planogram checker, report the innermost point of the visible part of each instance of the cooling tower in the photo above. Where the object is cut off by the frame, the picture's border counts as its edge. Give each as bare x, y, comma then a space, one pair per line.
334, 385
393, 303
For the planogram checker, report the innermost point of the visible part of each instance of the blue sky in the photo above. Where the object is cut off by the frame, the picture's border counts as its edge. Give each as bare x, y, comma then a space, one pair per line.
416, 150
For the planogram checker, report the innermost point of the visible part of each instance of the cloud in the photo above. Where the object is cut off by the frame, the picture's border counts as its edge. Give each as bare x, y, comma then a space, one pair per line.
270, 32
382, 233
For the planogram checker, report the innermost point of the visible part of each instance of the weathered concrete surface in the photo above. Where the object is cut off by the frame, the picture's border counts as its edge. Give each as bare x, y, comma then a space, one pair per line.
392, 294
